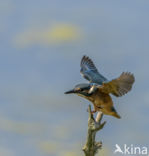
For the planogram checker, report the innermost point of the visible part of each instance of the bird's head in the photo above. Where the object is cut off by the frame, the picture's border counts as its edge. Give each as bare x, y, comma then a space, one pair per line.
81, 90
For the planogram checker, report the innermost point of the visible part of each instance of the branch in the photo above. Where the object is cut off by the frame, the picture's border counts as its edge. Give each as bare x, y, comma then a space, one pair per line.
91, 146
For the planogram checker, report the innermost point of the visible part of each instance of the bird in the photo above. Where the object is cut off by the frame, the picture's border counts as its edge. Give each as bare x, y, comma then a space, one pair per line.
99, 89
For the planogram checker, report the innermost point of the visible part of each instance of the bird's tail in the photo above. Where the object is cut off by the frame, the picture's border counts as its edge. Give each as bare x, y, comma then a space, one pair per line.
114, 113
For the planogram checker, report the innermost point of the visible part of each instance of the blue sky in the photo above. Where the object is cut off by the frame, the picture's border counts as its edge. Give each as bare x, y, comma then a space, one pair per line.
42, 43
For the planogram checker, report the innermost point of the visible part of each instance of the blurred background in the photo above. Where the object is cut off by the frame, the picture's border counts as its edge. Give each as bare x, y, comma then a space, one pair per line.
41, 45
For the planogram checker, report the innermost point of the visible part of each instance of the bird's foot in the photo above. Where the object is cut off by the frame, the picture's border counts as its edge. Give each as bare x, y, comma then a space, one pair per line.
94, 111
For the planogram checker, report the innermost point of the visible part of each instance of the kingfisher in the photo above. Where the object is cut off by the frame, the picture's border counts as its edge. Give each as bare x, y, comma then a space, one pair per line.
99, 88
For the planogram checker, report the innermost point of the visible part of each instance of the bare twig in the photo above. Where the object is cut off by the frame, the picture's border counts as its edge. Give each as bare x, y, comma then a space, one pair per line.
91, 146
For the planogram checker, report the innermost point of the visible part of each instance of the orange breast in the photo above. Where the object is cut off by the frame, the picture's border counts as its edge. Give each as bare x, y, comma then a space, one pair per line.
102, 99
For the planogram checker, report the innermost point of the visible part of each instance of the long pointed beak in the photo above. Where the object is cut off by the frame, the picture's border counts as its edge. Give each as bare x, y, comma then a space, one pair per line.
70, 92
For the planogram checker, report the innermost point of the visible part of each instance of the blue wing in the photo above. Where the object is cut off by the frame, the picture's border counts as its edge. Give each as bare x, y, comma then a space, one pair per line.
90, 72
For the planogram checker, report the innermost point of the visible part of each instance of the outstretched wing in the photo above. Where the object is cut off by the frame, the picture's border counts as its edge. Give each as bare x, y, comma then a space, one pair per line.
119, 86
90, 72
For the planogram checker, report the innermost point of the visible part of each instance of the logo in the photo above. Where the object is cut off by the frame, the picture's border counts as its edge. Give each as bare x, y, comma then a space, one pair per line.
131, 150
118, 149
